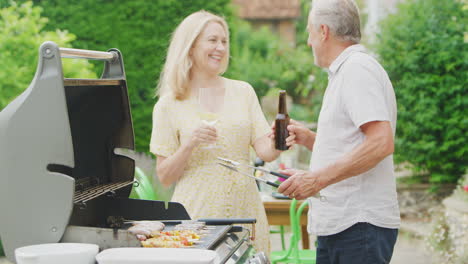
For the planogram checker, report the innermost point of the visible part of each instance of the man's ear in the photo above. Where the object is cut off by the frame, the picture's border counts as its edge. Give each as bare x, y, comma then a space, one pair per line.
324, 32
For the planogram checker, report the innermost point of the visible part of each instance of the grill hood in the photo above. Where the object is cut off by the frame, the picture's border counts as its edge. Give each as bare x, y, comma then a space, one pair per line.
58, 140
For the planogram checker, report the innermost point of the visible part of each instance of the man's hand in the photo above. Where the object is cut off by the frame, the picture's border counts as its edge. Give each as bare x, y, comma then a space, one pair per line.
289, 140
299, 134
301, 184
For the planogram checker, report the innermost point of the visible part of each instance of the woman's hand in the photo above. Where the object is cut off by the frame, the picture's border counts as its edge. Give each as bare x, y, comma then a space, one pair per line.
204, 134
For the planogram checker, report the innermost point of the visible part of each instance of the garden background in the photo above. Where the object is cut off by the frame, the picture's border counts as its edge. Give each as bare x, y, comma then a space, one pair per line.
422, 45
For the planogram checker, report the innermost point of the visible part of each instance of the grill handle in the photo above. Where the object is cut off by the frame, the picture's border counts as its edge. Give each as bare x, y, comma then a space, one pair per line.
88, 54
228, 221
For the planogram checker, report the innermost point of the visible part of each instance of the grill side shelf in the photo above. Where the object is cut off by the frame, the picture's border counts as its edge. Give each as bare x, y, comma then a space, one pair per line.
218, 233
93, 192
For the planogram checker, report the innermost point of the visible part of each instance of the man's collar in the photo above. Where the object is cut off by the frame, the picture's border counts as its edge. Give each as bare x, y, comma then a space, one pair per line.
335, 65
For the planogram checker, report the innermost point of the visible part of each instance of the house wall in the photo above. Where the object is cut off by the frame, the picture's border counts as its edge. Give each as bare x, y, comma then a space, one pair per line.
285, 29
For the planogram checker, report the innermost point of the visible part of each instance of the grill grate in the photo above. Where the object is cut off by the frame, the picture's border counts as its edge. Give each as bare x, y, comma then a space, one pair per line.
91, 193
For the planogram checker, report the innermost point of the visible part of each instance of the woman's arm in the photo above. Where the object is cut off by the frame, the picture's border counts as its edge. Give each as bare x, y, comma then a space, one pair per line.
170, 169
265, 148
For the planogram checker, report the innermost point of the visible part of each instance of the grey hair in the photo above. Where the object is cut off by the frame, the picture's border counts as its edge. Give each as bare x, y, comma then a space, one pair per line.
341, 16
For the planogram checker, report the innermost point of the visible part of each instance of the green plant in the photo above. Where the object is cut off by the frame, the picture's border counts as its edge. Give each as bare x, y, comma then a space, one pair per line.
269, 64
422, 47
140, 29
301, 112
21, 34
438, 240
446, 239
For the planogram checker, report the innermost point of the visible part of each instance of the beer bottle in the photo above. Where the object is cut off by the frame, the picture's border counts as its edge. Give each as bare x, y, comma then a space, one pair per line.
281, 123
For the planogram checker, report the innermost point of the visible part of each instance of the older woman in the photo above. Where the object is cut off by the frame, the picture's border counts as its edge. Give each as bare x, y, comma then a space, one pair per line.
198, 55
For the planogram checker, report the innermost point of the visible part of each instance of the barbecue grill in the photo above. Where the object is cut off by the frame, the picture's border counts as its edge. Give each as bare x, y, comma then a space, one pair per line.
61, 176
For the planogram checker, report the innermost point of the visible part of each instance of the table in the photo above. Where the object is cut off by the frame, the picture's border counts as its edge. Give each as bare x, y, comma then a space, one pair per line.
277, 211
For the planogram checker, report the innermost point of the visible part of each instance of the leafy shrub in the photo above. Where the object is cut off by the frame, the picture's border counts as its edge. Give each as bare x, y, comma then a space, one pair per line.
21, 34
423, 49
140, 29
268, 64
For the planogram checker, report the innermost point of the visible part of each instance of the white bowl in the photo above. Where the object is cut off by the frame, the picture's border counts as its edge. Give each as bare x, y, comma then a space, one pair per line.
57, 253
156, 256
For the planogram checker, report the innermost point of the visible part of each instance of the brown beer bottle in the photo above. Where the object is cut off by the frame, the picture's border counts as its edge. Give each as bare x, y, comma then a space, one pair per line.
281, 123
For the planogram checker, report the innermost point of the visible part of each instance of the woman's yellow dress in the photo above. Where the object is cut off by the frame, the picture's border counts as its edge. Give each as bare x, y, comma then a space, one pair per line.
206, 189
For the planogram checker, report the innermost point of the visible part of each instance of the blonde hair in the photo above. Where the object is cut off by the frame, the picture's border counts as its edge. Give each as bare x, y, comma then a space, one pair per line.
175, 76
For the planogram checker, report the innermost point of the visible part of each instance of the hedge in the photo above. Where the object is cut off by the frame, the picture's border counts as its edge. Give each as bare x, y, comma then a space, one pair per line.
424, 49
140, 29
21, 33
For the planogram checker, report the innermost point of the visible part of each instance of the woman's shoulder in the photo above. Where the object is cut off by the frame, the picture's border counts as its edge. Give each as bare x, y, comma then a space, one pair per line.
240, 86
165, 101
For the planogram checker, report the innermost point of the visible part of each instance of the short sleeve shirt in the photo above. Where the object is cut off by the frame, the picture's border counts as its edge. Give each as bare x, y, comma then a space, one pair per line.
359, 91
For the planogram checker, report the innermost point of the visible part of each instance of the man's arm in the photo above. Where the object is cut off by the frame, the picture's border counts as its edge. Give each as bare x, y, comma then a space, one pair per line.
377, 145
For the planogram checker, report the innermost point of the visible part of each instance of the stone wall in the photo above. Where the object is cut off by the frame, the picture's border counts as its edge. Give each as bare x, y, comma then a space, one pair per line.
416, 200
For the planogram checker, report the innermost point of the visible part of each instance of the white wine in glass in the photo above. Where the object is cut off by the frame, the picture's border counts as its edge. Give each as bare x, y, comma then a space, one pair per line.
210, 118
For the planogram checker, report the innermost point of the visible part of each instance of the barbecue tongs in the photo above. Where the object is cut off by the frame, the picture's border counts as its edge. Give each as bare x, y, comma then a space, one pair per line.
237, 164
232, 165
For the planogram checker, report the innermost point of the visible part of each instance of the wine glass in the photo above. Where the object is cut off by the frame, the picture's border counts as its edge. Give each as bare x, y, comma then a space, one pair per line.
207, 116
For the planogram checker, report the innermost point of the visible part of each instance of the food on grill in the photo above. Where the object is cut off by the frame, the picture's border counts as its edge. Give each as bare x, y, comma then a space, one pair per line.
144, 228
171, 239
189, 234
151, 234
160, 243
141, 237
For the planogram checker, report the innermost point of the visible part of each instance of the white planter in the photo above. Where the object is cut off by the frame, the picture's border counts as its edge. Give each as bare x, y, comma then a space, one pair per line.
57, 253
156, 256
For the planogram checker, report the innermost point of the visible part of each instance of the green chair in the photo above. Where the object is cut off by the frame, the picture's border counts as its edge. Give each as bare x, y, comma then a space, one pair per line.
144, 190
294, 254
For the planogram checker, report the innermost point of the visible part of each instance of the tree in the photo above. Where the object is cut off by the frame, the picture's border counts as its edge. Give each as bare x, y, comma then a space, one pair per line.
423, 48
140, 29
269, 64
21, 34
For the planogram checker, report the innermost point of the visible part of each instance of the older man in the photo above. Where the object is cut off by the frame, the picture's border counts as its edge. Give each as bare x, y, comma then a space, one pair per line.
357, 219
